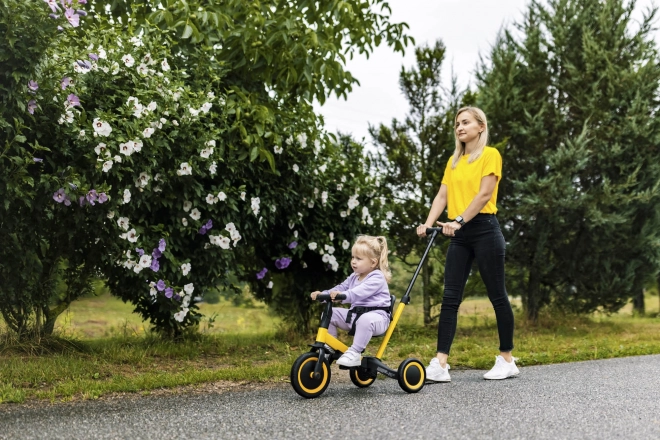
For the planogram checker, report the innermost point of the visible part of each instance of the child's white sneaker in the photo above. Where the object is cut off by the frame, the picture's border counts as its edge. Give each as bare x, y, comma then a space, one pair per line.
436, 373
350, 359
502, 369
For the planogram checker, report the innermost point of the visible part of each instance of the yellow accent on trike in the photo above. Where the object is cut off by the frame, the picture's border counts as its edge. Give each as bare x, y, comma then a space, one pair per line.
388, 334
325, 338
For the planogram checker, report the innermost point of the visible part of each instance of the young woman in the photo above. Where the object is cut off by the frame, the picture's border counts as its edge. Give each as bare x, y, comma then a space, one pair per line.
469, 191
365, 288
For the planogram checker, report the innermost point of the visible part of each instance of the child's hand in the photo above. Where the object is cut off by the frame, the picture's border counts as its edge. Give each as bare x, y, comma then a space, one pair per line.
333, 294
314, 295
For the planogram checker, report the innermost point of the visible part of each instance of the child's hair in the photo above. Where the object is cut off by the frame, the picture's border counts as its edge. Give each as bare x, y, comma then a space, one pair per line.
374, 247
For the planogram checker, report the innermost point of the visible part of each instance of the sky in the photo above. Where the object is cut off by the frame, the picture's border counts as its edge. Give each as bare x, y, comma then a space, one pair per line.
468, 28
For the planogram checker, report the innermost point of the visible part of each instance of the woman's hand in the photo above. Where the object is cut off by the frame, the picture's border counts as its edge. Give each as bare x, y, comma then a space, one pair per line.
421, 230
313, 295
449, 229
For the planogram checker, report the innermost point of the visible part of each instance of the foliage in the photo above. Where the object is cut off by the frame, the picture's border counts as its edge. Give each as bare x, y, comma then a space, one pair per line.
574, 99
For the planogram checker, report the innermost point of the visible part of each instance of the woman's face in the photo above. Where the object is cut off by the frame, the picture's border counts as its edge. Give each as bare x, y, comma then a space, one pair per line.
467, 127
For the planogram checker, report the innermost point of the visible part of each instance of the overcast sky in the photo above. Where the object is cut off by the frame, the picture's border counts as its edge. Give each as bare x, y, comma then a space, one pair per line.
466, 27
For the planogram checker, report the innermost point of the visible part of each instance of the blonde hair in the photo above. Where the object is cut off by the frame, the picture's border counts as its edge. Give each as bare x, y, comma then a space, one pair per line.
480, 116
374, 248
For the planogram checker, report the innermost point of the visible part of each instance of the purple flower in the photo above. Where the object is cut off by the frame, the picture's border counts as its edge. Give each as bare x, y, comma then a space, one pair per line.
82, 2
67, 201
261, 274
92, 196
202, 230
81, 201
72, 100
161, 245
103, 197
54, 16
169, 292
84, 64
60, 28
139, 251
209, 225
155, 265
160, 285
93, 57
293, 245
156, 253
59, 195
72, 17
36, 159
82, 14
283, 262
65, 82
32, 85
32, 105
53, 5
177, 297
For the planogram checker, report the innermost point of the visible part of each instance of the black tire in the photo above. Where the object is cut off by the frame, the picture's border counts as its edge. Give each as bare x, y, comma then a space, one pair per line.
361, 378
301, 376
412, 375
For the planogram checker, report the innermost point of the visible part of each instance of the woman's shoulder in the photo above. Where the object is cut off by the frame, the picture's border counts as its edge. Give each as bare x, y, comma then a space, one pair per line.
491, 151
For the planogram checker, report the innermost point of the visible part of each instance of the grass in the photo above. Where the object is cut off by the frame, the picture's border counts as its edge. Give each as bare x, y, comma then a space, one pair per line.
103, 348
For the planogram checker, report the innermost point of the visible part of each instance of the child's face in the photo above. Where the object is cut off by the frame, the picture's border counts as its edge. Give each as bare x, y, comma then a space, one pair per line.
361, 264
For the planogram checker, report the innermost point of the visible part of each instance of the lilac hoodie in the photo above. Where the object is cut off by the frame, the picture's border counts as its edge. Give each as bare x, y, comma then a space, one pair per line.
372, 291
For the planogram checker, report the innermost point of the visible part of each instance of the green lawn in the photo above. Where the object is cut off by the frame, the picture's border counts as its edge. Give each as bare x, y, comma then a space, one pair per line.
109, 350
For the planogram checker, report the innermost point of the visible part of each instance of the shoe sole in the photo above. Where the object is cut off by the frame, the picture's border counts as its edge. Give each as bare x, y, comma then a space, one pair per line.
501, 378
430, 381
349, 365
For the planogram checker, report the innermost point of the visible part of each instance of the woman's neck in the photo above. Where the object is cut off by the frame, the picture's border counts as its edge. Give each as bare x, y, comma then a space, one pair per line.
470, 147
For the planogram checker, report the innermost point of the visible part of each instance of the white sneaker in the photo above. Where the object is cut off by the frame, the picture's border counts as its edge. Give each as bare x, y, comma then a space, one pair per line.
436, 373
502, 369
350, 359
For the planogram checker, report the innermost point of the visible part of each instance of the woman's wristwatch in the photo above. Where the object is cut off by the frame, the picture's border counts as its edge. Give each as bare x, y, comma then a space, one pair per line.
460, 221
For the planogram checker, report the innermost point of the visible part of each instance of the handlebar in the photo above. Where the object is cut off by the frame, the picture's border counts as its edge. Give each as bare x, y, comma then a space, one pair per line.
326, 297
430, 231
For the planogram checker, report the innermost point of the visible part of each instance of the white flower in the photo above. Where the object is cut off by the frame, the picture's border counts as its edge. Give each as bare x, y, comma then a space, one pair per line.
295, 168
331, 235
206, 152
164, 65
345, 244
389, 215
206, 107
107, 165
254, 204
312, 246
127, 195
243, 195
211, 143
186, 300
184, 221
143, 69
181, 315
137, 145
143, 179
291, 225
323, 167
128, 60
213, 168
210, 95
137, 268
325, 258
302, 138
123, 223
100, 148
365, 212
224, 243
289, 140
193, 112
117, 158
148, 132
186, 169
188, 288
310, 204
230, 227
115, 68
111, 214
222, 196
353, 202
273, 208
81, 134
324, 197
101, 128
126, 148
295, 234
152, 106
185, 268
132, 236
145, 260
187, 205
211, 199
153, 291
270, 285
277, 149
343, 179
383, 224
339, 187
195, 214
330, 249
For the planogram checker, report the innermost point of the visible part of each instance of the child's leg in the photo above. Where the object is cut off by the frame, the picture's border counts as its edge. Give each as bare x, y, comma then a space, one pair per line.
369, 324
338, 320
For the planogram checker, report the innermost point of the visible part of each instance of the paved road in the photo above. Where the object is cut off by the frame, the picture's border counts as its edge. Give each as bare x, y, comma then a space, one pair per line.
586, 400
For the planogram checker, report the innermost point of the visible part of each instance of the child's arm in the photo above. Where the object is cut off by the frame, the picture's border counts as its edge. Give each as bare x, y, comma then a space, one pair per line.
341, 287
373, 284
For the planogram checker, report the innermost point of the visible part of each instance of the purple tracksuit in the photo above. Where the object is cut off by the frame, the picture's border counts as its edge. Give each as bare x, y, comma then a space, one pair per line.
372, 291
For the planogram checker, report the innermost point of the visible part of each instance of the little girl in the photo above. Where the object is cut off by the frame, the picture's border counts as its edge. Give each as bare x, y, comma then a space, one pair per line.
366, 288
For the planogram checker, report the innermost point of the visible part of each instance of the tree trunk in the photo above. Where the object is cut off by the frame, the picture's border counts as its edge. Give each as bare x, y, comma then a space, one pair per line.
638, 303
426, 281
533, 294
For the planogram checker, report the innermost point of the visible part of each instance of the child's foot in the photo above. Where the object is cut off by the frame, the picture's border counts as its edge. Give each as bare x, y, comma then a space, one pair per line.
350, 359
436, 373
502, 369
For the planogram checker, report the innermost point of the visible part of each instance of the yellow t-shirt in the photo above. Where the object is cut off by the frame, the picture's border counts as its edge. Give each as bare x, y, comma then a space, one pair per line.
464, 181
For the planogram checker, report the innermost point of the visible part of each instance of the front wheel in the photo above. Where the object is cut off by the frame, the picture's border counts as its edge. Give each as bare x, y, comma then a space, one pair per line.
412, 375
302, 376
361, 377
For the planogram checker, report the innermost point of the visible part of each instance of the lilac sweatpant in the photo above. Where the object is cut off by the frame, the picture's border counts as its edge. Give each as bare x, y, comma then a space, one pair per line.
370, 324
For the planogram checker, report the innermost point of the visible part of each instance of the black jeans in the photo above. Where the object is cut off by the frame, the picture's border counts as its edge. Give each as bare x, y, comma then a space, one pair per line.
480, 238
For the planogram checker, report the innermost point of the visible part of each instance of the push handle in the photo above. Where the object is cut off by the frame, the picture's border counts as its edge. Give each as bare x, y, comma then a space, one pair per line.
326, 297
430, 231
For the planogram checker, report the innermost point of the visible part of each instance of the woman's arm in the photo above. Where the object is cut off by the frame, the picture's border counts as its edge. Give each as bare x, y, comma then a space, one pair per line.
437, 207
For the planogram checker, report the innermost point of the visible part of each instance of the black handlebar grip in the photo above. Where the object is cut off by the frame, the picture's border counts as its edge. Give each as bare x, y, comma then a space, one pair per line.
429, 231
326, 297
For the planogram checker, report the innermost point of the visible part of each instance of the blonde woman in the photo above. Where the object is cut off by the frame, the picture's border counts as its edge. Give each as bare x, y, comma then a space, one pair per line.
469, 191
367, 292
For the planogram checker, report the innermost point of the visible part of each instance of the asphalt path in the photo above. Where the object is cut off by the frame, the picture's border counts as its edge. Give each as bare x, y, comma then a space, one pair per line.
615, 398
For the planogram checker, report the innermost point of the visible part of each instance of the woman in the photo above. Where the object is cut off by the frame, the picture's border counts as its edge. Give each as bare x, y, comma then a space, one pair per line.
469, 191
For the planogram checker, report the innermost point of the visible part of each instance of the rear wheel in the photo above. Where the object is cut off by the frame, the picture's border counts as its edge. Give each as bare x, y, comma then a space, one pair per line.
302, 376
412, 375
361, 377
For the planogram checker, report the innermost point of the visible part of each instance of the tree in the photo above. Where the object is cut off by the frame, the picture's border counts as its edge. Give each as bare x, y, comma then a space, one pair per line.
574, 99
412, 157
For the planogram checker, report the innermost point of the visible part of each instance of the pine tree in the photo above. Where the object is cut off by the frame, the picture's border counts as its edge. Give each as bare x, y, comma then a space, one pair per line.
574, 97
